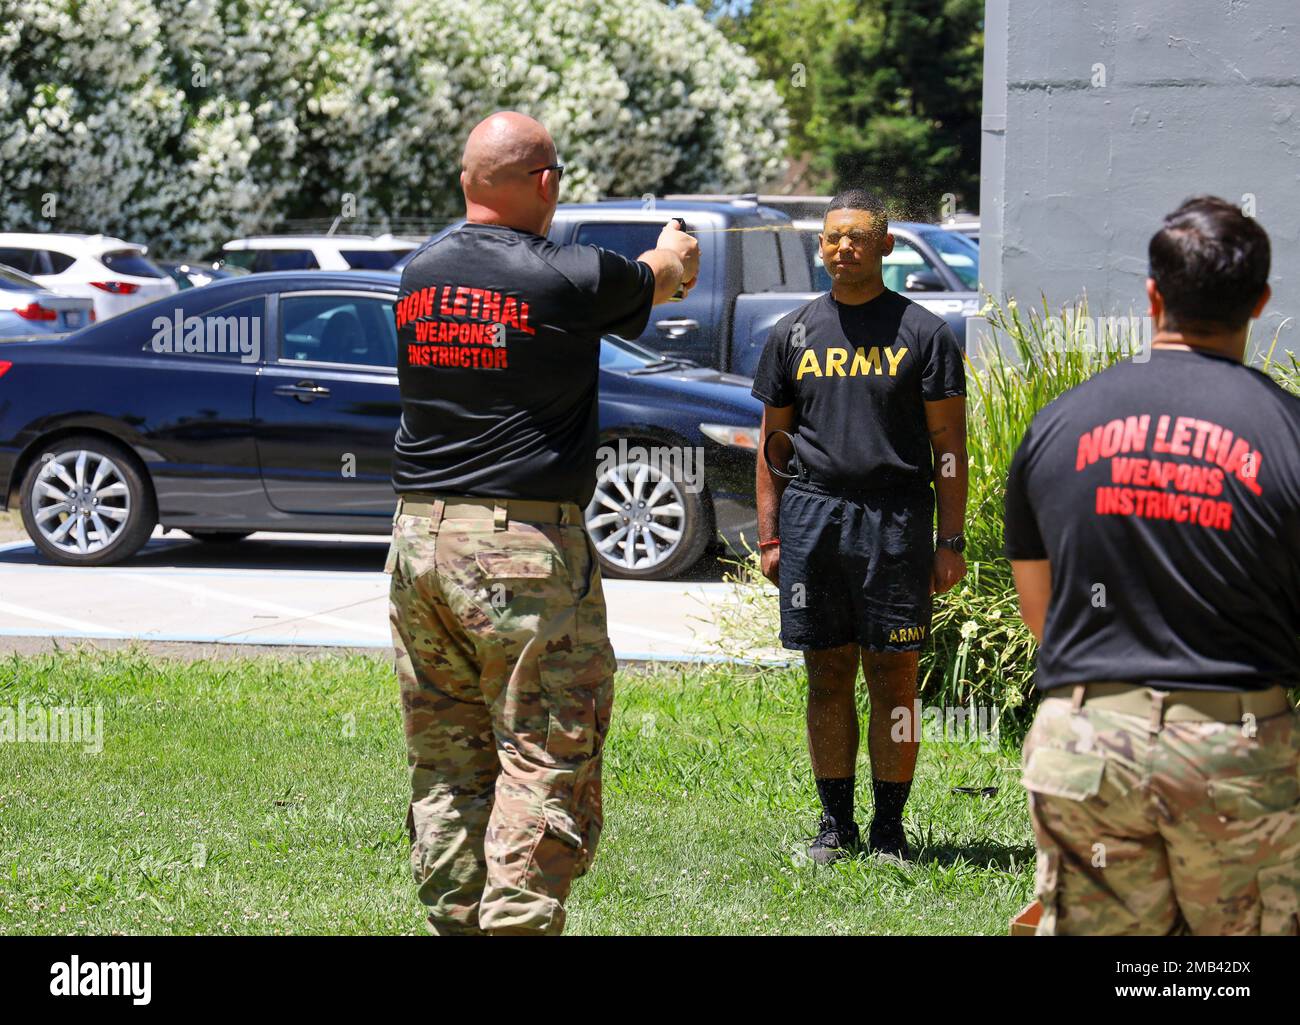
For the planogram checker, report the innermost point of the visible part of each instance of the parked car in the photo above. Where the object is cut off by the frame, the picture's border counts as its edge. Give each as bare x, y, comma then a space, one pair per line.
114, 275
315, 252
936, 268
27, 308
102, 435
197, 273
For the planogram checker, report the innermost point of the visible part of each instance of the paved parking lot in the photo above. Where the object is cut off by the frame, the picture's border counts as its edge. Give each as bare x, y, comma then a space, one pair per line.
293, 589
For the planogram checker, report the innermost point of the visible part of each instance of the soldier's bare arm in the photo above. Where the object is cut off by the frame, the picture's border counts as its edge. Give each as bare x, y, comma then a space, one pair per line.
1034, 585
946, 422
769, 486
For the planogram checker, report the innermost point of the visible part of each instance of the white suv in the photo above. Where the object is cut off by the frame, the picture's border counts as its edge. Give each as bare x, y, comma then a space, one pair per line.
316, 252
113, 274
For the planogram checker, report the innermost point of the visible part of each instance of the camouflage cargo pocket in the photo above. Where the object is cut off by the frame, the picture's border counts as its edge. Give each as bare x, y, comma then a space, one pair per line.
1069, 774
1279, 899
512, 579
561, 825
1250, 796
517, 564
577, 689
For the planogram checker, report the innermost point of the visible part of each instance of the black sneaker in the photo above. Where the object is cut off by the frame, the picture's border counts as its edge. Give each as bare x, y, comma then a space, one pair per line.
833, 841
888, 838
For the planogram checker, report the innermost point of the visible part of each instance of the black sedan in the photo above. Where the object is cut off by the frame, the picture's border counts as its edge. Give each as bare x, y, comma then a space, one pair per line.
269, 402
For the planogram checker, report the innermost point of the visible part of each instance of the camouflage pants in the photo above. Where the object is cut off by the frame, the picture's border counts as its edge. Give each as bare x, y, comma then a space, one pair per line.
507, 680
1167, 822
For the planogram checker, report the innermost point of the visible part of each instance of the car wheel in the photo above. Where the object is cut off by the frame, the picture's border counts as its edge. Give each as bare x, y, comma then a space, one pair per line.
218, 537
86, 502
644, 523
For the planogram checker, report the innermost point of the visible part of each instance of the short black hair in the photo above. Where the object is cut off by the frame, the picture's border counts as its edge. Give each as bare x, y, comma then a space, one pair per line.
860, 199
1210, 262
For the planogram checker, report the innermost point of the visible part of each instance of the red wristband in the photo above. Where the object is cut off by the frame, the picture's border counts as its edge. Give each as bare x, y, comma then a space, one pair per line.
770, 543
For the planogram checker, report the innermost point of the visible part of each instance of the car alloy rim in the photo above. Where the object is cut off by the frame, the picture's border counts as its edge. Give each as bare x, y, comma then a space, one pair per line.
81, 502
637, 515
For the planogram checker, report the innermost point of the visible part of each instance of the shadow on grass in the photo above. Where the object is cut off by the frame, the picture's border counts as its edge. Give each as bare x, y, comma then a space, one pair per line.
994, 855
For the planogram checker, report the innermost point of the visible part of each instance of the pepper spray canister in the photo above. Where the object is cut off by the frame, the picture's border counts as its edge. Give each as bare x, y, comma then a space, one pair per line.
680, 294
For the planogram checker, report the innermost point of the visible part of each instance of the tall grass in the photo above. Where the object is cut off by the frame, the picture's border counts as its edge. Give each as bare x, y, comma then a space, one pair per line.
981, 652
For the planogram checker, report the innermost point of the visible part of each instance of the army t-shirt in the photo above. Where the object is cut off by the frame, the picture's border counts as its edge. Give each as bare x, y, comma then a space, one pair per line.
498, 354
1166, 497
859, 377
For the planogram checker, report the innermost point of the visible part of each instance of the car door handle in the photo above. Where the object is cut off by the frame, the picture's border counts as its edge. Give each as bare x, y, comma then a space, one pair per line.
304, 391
676, 328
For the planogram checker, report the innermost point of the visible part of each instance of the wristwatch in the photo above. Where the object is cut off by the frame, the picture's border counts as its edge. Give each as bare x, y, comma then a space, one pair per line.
957, 543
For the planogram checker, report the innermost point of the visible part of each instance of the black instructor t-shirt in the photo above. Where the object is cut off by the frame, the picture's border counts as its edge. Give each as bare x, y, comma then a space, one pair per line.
1166, 496
859, 377
498, 352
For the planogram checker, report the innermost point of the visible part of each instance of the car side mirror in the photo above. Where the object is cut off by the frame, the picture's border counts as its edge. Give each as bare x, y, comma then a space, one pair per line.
923, 281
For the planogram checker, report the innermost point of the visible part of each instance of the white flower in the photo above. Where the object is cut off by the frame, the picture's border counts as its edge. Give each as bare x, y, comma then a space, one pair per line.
186, 131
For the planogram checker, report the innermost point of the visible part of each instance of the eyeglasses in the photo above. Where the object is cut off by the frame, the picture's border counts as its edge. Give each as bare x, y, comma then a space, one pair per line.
557, 168
857, 239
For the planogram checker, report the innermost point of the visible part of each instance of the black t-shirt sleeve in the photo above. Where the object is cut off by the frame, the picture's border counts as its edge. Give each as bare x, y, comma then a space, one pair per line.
620, 294
772, 375
1021, 536
944, 375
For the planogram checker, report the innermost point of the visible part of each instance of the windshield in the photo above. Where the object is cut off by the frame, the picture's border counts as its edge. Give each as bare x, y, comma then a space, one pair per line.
128, 261
372, 259
959, 253
620, 354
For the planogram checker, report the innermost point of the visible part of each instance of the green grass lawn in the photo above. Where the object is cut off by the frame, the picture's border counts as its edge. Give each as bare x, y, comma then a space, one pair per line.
268, 796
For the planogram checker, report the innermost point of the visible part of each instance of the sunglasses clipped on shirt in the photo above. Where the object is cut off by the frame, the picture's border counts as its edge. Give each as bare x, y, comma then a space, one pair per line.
557, 168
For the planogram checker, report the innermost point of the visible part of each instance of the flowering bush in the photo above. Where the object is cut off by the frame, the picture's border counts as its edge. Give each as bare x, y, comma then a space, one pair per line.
186, 122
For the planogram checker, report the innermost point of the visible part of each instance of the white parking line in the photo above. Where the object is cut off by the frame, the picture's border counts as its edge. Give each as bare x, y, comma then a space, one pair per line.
658, 635
54, 619
246, 601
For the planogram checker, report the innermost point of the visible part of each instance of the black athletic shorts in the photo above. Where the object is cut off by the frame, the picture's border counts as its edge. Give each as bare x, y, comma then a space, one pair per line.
855, 569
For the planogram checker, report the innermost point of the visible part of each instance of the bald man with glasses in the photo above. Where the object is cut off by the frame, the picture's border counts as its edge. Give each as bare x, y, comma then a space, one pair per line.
498, 618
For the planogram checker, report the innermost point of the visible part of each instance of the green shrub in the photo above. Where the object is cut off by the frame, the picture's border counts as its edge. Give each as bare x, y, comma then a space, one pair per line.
981, 652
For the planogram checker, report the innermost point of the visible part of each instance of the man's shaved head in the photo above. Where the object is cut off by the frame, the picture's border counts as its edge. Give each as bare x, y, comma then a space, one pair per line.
499, 154
502, 149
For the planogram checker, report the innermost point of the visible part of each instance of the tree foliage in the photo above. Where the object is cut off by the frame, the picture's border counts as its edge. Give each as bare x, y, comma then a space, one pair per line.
885, 93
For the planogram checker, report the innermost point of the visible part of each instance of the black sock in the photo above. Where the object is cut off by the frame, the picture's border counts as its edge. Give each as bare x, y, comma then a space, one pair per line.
890, 798
837, 798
